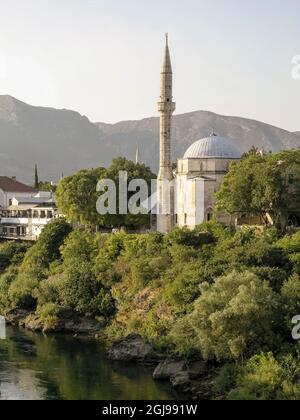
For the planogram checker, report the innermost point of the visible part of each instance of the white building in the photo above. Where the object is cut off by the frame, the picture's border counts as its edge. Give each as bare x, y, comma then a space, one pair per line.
199, 176
24, 212
11, 188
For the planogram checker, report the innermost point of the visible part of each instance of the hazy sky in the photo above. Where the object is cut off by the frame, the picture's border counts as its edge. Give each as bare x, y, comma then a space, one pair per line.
102, 57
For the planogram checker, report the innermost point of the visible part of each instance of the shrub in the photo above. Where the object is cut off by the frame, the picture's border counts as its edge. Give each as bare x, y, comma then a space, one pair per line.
48, 315
264, 378
234, 317
11, 253
225, 381
290, 298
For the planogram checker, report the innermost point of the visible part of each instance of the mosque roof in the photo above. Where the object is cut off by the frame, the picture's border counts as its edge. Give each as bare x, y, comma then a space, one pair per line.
213, 146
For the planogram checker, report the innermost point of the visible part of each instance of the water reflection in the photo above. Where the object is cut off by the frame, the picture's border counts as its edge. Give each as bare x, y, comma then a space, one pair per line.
33, 367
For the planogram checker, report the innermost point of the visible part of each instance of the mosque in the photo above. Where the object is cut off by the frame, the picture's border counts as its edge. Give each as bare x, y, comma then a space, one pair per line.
186, 196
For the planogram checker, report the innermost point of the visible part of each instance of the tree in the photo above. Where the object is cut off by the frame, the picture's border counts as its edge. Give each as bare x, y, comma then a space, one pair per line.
11, 253
290, 300
77, 195
134, 171
263, 184
79, 289
233, 317
36, 177
265, 378
46, 186
36, 264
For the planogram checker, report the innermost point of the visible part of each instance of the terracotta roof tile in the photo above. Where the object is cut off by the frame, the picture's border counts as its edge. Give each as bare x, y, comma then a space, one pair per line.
10, 185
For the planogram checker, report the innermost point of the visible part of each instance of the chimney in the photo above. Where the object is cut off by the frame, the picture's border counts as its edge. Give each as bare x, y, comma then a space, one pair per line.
14, 178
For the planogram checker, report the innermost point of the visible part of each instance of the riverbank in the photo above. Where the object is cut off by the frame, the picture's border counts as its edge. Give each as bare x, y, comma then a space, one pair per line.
70, 324
193, 378
35, 366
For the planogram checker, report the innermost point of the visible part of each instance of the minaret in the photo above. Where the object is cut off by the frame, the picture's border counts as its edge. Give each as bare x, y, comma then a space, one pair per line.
165, 182
137, 155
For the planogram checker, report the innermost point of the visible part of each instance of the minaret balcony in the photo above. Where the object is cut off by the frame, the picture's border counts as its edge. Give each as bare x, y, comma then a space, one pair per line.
166, 106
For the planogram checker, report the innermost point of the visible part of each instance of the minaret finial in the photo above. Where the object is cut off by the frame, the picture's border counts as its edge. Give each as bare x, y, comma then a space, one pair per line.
167, 39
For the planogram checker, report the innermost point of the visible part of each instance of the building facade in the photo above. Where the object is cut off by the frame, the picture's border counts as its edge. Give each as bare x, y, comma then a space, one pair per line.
199, 176
24, 211
11, 188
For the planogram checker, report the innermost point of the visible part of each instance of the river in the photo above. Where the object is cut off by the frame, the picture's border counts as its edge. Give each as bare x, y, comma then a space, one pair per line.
38, 367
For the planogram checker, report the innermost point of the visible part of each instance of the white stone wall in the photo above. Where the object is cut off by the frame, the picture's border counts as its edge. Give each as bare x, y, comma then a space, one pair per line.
5, 197
197, 182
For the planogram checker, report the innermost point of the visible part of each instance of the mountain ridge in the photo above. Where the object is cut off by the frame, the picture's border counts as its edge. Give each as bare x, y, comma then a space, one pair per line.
64, 141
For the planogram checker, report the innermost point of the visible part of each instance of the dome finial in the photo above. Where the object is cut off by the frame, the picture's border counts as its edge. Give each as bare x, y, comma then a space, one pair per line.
213, 133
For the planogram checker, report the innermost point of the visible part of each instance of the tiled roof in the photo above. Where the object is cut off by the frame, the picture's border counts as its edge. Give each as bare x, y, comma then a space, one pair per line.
11, 185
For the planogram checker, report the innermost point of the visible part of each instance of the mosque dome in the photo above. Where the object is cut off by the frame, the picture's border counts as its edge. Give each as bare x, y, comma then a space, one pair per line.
213, 146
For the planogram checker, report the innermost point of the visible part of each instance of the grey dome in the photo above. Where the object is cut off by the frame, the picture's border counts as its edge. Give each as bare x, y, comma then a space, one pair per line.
213, 147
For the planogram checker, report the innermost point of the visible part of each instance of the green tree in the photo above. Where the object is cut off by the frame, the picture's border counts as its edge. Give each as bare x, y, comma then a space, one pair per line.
233, 317
36, 177
12, 253
77, 195
265, 378
36, 264
80, 289
46, 186
290, 300
263, 184
134, 171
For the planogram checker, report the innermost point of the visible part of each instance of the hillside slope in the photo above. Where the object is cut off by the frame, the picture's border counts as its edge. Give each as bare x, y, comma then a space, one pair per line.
63, 141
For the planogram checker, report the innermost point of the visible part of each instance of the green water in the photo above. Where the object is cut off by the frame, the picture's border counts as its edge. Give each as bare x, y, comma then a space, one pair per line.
38, 367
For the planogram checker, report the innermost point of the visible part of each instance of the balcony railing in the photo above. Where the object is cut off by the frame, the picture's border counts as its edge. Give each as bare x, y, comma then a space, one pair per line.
16, 236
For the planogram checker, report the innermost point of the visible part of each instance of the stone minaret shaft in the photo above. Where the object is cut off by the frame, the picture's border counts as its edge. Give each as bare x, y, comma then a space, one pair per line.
166, 107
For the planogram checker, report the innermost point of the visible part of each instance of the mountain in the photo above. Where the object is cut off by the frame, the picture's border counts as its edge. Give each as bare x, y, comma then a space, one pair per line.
63, 141
122, 138
297, 133
57, 140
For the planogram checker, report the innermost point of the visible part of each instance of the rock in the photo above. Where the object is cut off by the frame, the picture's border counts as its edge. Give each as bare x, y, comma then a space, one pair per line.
181, 380
187, 377
17, 317
168, 368
133, 349
82, 325
33, 323
197, 369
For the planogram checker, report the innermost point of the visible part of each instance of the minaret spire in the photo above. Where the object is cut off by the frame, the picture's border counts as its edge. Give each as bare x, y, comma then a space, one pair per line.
166, 107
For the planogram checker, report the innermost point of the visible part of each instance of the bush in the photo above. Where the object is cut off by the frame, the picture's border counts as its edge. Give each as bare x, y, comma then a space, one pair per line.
234, 317
48, 315
6, 280
36, 264
189, 237
264, 378
11, 253
290, 300
225, 381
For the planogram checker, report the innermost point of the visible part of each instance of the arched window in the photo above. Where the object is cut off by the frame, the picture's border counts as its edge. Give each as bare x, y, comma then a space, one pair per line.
209, 213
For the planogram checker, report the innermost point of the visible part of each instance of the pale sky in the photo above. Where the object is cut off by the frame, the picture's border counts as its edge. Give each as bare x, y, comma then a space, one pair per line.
102, 57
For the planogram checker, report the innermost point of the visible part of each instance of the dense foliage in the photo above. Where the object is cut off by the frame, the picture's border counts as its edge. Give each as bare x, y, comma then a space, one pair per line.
262, 184
77, 195
215, 293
